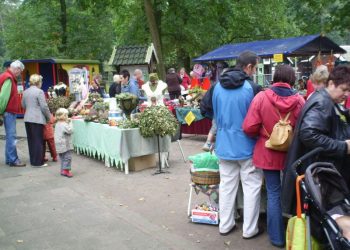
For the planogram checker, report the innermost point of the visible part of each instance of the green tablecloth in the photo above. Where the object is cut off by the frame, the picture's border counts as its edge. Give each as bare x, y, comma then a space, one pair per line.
182, 112
114, 145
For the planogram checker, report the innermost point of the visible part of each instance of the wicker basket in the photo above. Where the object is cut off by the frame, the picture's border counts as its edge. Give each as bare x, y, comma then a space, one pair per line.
206, 178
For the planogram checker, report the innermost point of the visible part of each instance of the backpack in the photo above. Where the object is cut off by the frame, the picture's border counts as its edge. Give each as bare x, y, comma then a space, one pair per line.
281, 135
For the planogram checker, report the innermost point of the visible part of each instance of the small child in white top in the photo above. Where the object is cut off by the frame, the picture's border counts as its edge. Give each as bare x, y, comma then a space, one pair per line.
63, 141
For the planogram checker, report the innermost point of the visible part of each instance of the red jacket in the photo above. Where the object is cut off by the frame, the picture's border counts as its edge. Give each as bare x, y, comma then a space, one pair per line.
309, 88
186, 81
262, 112
48, 128
13, 104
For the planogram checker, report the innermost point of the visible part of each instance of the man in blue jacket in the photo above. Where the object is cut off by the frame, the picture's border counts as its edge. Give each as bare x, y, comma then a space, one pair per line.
231, 99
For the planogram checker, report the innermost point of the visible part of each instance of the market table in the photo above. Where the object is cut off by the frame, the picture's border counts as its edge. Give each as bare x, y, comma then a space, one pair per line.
114, 145
200, 126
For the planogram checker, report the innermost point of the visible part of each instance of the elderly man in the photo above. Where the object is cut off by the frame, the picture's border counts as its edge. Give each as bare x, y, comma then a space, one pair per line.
9, 107
138, 77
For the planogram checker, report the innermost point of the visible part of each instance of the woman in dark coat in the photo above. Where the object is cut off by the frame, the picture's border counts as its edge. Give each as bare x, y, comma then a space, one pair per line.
322, 123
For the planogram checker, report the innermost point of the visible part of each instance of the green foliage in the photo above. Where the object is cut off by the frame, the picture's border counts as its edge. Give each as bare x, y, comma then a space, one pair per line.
188, 28
33, 30
157, 120
129, 123
58, 102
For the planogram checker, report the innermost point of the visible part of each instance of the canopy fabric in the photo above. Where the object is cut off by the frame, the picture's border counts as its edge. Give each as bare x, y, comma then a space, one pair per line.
293, 46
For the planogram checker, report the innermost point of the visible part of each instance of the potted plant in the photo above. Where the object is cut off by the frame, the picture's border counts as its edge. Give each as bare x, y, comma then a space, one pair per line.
127, 102
157, 121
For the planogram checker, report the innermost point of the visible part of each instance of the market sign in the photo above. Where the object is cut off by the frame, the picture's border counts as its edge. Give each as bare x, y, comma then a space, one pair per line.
278, 57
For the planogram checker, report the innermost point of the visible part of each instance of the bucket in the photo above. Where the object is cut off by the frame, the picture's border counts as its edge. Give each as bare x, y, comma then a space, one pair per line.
115, 115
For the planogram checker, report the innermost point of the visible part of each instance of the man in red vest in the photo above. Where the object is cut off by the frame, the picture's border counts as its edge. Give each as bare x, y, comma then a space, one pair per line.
9, 107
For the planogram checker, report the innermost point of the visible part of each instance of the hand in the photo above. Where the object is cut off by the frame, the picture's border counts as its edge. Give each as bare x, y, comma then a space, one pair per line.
212, 147
348, 144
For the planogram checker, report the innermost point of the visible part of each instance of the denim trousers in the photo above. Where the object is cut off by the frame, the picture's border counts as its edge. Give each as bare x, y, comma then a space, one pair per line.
275, 227
66, 160
11, 156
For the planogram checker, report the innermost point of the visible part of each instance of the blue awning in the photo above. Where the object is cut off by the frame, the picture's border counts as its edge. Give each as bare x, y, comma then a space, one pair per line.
293, 46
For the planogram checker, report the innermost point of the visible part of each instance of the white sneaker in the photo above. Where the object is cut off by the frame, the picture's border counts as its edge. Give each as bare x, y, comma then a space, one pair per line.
42, 166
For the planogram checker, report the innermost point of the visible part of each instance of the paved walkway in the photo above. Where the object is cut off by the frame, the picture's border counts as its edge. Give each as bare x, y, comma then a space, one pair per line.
102, 208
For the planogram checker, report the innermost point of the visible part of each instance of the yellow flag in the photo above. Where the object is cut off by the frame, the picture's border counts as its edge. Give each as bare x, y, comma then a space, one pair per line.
189, 118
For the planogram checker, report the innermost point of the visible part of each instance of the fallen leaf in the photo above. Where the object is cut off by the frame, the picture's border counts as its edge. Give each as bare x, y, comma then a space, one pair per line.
141, 199
121, 205
227, 243
19, 241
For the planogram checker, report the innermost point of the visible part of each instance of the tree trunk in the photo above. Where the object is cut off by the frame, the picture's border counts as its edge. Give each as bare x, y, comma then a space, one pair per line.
63, 21
155, 37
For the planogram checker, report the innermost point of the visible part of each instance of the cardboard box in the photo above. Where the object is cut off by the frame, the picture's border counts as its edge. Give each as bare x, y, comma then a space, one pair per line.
142, 162
206, 217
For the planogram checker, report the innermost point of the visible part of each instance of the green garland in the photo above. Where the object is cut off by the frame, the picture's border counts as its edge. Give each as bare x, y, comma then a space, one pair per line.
157, 120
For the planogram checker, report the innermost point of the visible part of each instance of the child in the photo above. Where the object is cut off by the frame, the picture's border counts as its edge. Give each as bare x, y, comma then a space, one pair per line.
63, 141
49, 139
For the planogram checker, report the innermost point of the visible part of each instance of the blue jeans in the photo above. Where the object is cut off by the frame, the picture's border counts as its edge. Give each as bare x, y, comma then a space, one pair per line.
275, 227
10, 130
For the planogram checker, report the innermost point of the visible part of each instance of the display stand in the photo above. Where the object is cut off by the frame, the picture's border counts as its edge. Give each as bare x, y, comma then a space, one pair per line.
159, 171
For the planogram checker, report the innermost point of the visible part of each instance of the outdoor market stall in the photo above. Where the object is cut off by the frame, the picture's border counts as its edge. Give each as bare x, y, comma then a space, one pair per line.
55, 70
114, 145
195, 124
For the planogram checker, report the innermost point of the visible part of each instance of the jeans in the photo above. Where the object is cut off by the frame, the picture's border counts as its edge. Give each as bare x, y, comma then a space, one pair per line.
275, 227
11, 156
66, 160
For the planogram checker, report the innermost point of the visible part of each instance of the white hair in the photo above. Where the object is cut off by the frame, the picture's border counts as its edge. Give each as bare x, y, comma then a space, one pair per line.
138, 71
17, 64
117, 78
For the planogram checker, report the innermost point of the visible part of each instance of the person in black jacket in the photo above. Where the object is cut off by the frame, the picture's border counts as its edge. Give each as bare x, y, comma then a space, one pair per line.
115, 88
322, 123
173, 81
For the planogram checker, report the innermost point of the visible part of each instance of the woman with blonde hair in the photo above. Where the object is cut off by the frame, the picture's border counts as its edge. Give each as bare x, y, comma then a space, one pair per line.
36, 115
319, 78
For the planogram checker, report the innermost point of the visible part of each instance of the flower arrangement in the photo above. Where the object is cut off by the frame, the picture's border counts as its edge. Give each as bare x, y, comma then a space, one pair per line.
58, 102
157, 120
95, 97
127, 102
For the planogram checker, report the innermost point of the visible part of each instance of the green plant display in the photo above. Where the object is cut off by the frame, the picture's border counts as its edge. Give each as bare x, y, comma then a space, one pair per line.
134, 123
157, 120
58, 102
127, 102
95, 97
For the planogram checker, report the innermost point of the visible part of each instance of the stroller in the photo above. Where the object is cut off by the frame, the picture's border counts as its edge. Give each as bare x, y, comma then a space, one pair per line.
324, 190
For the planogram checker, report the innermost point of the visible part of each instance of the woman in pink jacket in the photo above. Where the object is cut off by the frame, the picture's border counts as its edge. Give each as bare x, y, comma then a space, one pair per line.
264, 112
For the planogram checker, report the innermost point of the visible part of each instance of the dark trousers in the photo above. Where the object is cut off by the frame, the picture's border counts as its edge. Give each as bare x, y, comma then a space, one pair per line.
35, 138
51, 143
174, 94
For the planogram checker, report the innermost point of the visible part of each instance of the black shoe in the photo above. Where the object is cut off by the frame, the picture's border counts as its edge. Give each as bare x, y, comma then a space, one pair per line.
231, 230
17, 164
260, 231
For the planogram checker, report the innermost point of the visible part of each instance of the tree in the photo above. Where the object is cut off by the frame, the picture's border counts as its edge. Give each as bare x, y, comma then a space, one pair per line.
73, 29
153, 26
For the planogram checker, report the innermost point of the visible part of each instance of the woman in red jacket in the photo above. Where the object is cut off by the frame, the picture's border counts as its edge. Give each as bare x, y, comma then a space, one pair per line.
186, 81
263, 114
